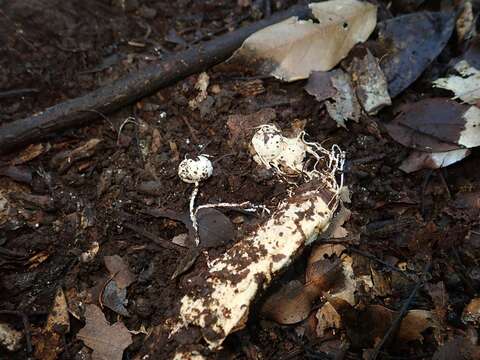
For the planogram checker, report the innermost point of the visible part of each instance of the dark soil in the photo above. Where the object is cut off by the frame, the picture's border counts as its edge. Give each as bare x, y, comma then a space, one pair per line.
58, 50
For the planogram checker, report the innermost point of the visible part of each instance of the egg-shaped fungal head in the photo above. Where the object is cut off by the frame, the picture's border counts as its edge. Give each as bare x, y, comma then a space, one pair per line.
194, 170
268, 142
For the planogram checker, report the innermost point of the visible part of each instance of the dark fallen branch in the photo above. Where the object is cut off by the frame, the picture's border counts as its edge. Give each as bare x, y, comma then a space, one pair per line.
84, 109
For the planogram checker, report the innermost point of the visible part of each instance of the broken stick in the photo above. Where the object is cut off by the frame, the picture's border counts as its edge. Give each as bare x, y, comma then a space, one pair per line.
124, 91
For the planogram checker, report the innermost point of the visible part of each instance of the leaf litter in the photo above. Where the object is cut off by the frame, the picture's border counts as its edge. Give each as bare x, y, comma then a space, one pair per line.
340, 297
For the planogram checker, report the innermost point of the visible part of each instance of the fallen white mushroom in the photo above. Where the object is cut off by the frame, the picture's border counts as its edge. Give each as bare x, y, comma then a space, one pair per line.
220, 305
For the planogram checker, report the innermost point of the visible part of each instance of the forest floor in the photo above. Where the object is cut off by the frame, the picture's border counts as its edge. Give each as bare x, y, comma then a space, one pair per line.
88, 193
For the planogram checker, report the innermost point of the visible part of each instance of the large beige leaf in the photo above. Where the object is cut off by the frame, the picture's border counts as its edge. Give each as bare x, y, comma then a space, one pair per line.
292, 49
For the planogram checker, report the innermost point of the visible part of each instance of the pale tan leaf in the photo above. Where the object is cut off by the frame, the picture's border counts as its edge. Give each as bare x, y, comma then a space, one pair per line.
118, 269
292, 49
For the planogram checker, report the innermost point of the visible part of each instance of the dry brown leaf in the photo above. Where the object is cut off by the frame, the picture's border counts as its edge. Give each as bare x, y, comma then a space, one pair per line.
290, 50
382, 284
29, 153
49, 343
327, 318
324, 251
471, 313
439, 297
107, 341
414, 323
118, 269
290, 305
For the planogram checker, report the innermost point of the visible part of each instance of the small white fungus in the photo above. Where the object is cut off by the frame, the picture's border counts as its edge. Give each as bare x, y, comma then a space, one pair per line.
195, 170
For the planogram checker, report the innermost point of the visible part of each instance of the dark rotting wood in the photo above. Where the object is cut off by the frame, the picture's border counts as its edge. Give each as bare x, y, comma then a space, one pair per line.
84, 109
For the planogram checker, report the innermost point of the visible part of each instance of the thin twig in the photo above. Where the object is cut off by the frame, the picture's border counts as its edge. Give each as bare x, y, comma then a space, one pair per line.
380, 261
17, 92
156, 239
401, 314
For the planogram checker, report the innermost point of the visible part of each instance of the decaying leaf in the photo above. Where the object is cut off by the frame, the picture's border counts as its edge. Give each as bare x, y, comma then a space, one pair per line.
335, 229
49, 343
201, 86
337, 86
466, 86
119, 270
242, 127
10, 338
367, 326
408, 53
465, 24
107, 341
327, 318
436, 125
292, 49
345, 105
418, 160
290, 305
440, 129
370, 83
457, 348
439, 297
115, 298
320, 85
471, 313
214, 228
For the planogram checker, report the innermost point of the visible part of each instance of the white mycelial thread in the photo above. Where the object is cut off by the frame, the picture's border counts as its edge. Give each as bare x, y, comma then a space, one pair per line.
195, 170
288, 156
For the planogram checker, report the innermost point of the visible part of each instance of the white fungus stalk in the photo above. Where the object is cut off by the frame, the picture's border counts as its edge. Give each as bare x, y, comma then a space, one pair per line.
193, 171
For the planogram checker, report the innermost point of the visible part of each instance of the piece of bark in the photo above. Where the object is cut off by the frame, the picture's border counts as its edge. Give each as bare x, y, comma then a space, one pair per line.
124, 91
